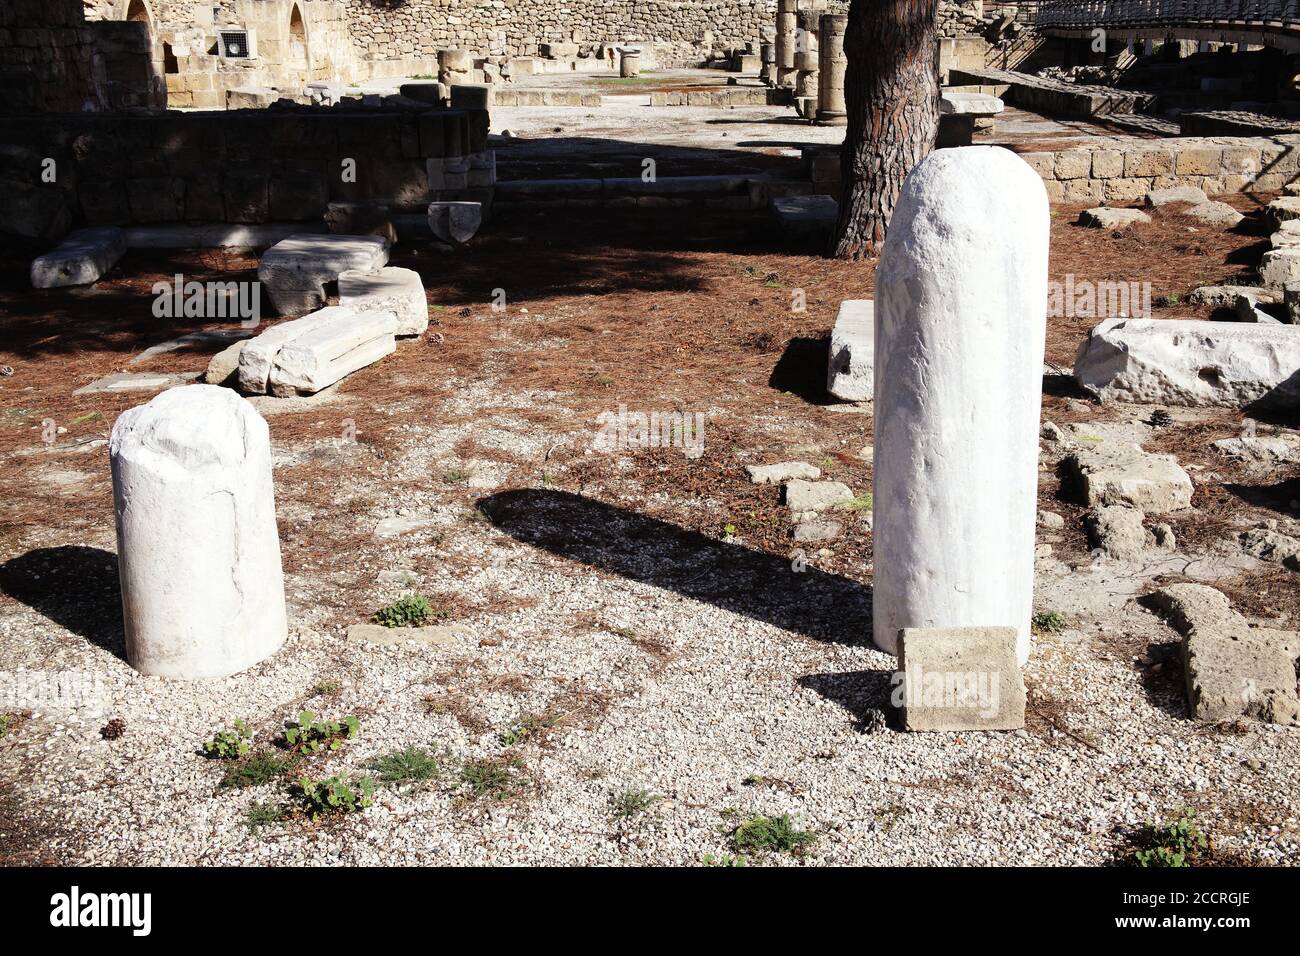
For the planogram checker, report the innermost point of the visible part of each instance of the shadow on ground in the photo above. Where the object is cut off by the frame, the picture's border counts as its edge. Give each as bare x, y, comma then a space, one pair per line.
761, 586
75, 587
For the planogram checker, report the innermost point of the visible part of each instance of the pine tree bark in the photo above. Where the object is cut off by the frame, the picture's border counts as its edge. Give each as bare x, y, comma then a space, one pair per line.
891, 92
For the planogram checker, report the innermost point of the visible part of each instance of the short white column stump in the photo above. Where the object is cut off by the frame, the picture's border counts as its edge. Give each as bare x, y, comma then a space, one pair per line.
961, 303
198, 551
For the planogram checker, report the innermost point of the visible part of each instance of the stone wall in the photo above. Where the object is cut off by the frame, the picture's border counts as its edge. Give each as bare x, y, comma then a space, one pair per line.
1124, 169
237, 166
51, 59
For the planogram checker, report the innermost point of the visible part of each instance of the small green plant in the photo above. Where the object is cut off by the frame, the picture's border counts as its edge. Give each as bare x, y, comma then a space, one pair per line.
455, 476
261, 815
860, 503
258, 770
328, 687
6, 721
230, 744
1048, 622
629, 803
725, 860
333, 795
492, 778
311, 736
410, 611
760, 834
729, 530
1176, 844
406, 766
527, 726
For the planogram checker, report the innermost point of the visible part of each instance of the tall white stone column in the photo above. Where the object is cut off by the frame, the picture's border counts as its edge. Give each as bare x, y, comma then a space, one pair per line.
961, 302
198, 551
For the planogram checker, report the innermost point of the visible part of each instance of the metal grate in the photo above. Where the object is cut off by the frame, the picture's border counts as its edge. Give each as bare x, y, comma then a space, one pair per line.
234, 44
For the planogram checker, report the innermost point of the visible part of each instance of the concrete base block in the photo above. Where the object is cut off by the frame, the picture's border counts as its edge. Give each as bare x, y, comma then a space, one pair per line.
959, 678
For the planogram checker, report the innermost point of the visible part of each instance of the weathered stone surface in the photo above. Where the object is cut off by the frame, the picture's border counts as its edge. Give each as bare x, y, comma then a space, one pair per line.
817, 529
79, 259
257, 357
1277, 267
1231, 669
1113, 473
959, 678
400, 291
1216, 213
1269, 544
1116, 531
1112, 217
1260, 449
295, 271
136, 382
1282, 209
782, 471
223, 369
455, 222
321, 356
960, 327
805, 217
852, 352
1191, 362
198, 551
1176, 194
1223, 296
361, 219
801, 495
980, 104
434, 635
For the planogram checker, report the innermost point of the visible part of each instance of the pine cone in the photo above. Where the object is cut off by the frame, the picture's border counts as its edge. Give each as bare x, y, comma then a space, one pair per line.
113, 729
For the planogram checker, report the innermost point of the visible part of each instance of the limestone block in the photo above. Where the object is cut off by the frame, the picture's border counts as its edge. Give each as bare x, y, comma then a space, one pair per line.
1117, 474
782, 472
959, 678
1198, 161
318, 358
455, 222
1277, 267
1148, 162
1107, 164
802, 495
1176, 194
961, 302
1191, 362
80, 259
1073, 164
295, 271
400, 291
852, 352
981, 104
1109, 217
257, 357
1231, 669
198, 551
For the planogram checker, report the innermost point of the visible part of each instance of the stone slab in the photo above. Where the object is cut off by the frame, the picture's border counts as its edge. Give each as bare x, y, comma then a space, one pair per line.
782, 471
852, 353
400, 291
1191, 362
80, 259
322, 355
959, 678
295, 271
1114, 473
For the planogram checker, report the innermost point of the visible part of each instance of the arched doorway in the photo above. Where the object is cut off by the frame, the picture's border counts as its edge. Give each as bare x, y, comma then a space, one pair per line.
137, 11
298, 58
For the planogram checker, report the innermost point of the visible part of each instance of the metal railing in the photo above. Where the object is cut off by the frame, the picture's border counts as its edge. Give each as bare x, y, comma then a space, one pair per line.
1082, 14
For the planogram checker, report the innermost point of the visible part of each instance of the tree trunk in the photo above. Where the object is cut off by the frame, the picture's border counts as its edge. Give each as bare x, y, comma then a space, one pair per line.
891, 92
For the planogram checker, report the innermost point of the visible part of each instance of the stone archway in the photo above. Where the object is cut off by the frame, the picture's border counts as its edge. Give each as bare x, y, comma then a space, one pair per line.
136, 11
299, 52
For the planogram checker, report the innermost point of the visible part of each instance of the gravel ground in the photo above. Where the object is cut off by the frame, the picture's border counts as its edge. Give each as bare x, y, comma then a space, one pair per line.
717, 680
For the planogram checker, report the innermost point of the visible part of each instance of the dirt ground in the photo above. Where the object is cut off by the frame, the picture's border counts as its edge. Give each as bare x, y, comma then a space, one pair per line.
470, 449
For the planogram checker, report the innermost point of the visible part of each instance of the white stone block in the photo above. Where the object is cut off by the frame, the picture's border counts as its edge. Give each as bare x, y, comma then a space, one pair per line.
257, 358
198, 551
455, 222
978, 104
1191, 362
295, 271
961, 319
80, 259
852, 353
320, 357
391, 289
